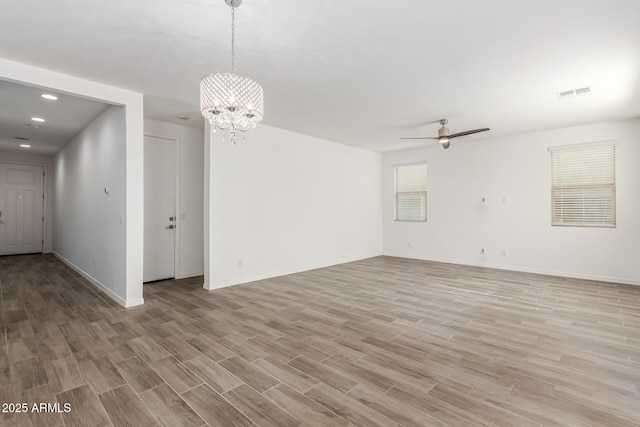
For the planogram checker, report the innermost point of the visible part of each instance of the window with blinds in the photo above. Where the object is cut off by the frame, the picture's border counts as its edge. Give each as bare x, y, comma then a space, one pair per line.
411, 192
583, 185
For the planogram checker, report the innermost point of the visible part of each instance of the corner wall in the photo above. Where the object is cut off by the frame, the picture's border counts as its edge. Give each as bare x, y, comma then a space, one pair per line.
90, 202
514, 175
284, 202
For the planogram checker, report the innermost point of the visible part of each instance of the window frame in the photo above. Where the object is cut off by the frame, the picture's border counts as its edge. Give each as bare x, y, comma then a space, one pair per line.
410, 193
581, 189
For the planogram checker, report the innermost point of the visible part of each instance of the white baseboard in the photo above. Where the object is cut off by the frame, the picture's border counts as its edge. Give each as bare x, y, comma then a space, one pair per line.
217, 285
134, 303
97, 284
597, 278
187, 275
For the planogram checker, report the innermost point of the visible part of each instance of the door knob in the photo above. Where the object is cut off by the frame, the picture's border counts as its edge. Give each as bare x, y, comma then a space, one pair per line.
171, 226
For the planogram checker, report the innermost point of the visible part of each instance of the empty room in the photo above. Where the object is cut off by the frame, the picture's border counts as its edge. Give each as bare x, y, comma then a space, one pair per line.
319, 213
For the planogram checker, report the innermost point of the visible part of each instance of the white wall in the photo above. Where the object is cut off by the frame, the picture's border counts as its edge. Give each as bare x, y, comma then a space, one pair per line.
47, 163
513, 174
132, 102
284, 202
87, 231
190, 251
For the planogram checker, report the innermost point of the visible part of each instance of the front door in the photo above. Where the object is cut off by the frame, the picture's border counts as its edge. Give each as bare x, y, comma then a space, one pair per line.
159, 208
21, 208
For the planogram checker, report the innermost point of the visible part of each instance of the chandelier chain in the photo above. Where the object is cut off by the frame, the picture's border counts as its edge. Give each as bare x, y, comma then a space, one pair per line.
233, 38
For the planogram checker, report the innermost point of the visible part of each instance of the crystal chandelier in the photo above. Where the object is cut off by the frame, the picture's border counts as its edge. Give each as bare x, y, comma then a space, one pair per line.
230, 101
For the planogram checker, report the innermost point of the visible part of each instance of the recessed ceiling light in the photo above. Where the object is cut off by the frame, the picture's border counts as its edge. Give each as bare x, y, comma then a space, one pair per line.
25, 146
37, 119
49, 96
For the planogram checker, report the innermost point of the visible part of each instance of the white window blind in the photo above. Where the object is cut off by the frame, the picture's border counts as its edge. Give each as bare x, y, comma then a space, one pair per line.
411, 192
583, 188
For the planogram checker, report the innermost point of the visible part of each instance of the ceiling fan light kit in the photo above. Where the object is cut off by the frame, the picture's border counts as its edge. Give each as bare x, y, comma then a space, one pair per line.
230, 101
444, 136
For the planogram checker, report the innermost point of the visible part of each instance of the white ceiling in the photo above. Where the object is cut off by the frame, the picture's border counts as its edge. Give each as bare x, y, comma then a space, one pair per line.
359, 72
64, 118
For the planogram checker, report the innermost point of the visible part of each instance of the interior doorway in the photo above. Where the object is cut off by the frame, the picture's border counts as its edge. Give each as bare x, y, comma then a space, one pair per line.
21, 208
160, 201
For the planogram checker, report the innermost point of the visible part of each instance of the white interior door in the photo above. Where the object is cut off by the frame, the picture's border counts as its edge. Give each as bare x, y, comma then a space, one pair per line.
159, 208
21, 208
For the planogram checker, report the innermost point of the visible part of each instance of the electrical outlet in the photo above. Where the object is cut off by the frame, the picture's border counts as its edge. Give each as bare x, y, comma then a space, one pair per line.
408, 244
481, 250
94, 263
504, 252
239, 263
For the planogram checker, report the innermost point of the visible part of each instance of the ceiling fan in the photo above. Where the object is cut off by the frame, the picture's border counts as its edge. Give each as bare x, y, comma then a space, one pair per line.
444, 137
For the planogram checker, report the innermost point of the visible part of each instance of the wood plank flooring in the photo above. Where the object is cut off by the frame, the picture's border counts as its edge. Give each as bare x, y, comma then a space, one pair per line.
381, 342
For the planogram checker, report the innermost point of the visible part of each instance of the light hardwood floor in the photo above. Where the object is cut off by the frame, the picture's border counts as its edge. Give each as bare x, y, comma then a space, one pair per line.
378, 342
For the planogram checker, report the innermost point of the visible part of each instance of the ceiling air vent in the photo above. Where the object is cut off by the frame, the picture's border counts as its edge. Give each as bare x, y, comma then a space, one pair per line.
21, 138
574, 92
583, 90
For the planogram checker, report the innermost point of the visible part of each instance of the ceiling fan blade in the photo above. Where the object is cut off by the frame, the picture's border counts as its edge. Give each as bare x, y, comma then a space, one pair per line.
420, 137
468, 132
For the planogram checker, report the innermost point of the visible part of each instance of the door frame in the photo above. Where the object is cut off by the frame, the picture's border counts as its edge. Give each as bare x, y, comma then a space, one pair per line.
45, 176
176, 242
